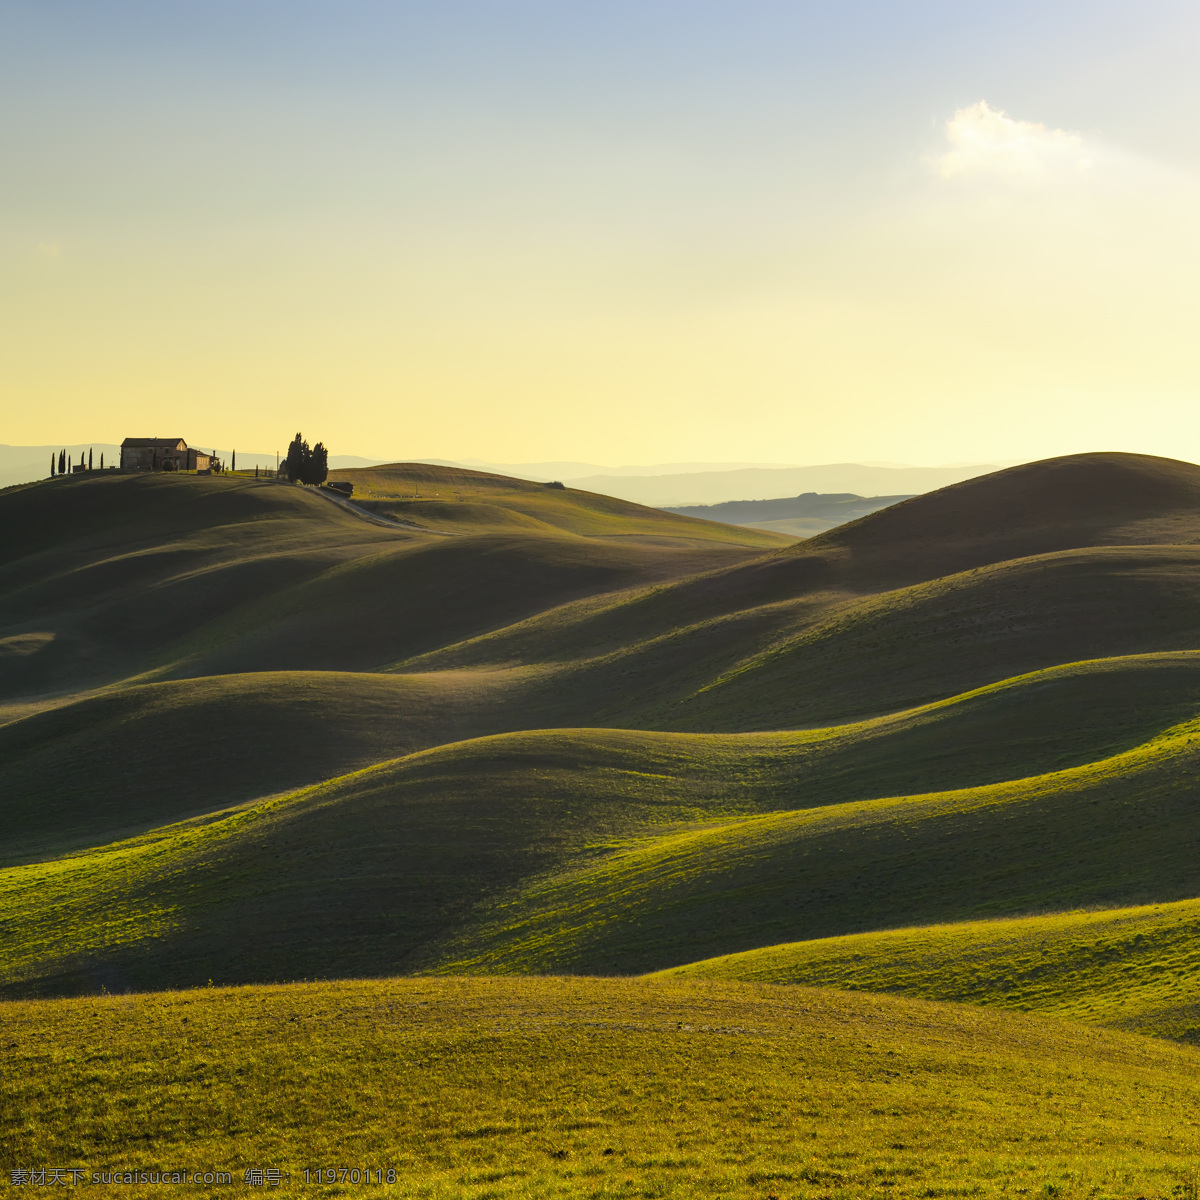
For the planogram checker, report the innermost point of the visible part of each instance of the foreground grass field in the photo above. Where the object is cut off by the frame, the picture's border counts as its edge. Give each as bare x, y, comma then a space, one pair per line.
598, 1088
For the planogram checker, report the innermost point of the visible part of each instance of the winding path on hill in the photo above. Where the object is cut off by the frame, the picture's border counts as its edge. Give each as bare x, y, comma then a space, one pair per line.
375, 519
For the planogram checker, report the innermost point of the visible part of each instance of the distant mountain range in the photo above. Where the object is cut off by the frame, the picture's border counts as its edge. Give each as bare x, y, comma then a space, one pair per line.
662, 485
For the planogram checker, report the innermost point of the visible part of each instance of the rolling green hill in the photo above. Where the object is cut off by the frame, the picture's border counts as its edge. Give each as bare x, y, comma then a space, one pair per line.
112, 578
477, 732
619, 851
1117, 832
249, 734
1130, 968
828, 657
252, 734
125, 760
551, 1087
456, 499
995, 577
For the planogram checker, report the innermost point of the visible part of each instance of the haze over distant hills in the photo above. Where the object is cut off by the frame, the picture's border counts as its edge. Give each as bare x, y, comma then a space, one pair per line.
676, 485
766, 483
660, 485
805, 515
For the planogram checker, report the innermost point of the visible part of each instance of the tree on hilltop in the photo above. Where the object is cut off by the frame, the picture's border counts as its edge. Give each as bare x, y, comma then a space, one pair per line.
304, 465
316, 466
298, 452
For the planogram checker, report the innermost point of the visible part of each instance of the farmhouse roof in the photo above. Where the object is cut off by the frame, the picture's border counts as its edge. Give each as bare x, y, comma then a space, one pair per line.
136, 443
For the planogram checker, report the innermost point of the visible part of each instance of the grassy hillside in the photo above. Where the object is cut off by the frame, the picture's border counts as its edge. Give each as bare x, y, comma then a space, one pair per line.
248, 735
114, 578
1118, 832
996, 577
461, 500
563, 1087
93, 770
128, 759
106, 574
662, 658
961, 631
1043, 507
948, 750
356, 876
592, 850
1131, 968
289, 581
382, 608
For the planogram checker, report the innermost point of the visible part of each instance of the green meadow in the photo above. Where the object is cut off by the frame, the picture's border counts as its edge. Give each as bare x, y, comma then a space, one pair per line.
598, 1088
531, 842
1127, 968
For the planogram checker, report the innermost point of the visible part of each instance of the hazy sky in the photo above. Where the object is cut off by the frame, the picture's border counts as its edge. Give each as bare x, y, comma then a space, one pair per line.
609, 231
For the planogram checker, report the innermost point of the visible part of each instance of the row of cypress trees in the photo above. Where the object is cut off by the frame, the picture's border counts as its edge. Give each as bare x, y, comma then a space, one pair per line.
305, 465
63, 463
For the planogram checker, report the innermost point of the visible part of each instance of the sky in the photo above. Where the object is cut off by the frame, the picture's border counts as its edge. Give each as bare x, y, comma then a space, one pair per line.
616, 232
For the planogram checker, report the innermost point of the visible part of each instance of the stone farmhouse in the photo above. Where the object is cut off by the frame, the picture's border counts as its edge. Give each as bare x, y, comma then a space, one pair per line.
153, 454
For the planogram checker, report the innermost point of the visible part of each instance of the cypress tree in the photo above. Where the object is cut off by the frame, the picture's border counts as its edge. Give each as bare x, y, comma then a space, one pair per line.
297, 455
102, 460
89, 458
52, 466
316, 469
62, 462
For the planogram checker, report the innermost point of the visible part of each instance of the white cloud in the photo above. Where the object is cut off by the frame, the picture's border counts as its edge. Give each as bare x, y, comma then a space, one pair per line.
987, 141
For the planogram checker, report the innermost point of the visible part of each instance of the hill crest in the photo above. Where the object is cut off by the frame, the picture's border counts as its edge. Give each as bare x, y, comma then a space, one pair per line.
1037, 508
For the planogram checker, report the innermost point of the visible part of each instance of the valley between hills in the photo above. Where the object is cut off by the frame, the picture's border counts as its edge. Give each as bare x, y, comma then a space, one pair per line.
675, 858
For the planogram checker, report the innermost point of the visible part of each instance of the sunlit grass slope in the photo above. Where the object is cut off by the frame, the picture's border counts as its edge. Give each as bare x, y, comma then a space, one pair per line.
610, 850
93, 770
822, 658
1115, 832
934, 639
457, 499
361, 875
1133, 968
590, 1088
233, 827
76, 514
1045, 508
